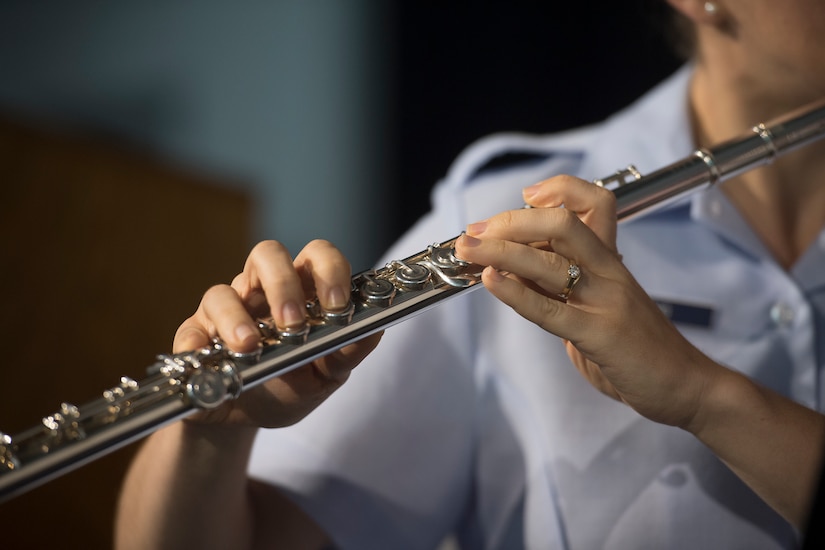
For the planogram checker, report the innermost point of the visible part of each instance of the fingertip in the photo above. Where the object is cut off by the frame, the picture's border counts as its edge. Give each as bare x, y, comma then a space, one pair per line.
537, 195
531, 191
189, 338
337, 298
492, 275
476, 228
469, 241
358, 351
531, 194
465, 247
246, 337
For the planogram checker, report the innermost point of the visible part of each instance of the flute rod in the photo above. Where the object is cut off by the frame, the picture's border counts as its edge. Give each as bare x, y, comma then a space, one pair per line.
706, 167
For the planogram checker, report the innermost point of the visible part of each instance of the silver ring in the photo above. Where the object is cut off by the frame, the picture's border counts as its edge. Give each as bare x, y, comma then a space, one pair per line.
574, 273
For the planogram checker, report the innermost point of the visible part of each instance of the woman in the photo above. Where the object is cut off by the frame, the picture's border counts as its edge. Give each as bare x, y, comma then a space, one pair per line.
466, 420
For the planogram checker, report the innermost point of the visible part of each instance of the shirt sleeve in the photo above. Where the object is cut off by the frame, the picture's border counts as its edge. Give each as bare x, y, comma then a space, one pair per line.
386, 462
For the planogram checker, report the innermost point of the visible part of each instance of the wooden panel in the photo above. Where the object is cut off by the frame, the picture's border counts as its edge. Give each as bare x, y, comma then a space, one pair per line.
103, 251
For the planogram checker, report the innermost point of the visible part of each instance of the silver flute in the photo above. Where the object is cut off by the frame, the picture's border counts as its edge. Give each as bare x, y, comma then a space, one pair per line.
177, 385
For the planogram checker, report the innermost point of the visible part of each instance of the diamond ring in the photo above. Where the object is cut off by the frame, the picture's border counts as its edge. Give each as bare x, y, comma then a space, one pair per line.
574, 273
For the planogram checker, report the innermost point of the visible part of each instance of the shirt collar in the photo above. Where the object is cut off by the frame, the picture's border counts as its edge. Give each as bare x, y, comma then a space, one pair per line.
649, 134
713, 209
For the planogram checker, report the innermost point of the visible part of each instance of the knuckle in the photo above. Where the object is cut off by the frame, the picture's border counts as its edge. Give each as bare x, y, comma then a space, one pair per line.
215, 291
266, 248
321, 256
191, 333
216, 301
553, 264
505, 219
340, 265
319, 245
241, 280
605, 197
568, 219
188, 328
280, 280
567, 179
547, 312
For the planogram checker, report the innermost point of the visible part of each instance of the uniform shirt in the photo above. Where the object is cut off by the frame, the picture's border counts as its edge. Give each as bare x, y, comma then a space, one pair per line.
468, 420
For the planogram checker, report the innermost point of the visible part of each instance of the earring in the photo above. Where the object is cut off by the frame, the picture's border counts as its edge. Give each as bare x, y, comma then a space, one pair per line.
710, 8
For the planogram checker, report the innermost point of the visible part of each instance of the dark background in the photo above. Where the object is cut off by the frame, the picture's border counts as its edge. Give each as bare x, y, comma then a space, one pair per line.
463, 73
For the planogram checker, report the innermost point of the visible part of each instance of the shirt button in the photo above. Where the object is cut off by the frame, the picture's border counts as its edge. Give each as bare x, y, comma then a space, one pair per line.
674, 476
782, 314
715, 208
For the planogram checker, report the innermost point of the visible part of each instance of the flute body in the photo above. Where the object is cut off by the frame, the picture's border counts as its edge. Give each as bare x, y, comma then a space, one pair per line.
180, 384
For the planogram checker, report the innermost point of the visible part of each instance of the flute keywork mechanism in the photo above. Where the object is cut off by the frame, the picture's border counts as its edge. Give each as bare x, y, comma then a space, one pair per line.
179, 384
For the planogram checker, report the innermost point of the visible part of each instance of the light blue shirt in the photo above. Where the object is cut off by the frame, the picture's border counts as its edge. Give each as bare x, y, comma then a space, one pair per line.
469, 420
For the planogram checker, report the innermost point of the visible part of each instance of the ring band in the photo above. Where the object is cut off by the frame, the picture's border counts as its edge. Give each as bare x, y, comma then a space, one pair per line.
574, 273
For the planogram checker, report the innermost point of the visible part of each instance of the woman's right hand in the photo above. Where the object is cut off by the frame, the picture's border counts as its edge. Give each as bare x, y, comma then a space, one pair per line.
616, 336
273, 284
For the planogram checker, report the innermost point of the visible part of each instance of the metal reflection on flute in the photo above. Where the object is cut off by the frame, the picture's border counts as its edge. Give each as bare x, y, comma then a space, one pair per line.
722, 162
180, 384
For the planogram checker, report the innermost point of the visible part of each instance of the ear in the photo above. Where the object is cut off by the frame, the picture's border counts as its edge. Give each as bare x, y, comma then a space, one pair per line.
701, 12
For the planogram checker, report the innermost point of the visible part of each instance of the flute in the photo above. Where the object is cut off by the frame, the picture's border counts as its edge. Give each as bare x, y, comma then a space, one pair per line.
177, 385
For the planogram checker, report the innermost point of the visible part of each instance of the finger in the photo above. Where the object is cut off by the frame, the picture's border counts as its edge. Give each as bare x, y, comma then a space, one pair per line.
553, 316
223, 312
566, 234
592, 372
596, 206
337, 366
191, 335
326, 273
527, 225
309, 385
270, 269
254, 298
546, 269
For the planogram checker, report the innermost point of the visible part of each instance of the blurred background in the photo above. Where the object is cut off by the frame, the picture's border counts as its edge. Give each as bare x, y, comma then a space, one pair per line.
145, 146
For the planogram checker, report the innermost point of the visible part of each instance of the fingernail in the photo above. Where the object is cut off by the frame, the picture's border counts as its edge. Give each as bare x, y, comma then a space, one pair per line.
493, 273
191, 338
532, 191
476, 228
244, 332
293, 315
336, 299
467, 240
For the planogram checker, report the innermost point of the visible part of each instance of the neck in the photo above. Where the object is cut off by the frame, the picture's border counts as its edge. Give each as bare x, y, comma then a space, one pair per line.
785, 201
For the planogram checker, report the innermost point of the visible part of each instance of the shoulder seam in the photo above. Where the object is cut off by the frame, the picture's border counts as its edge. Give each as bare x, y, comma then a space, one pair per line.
478, 154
